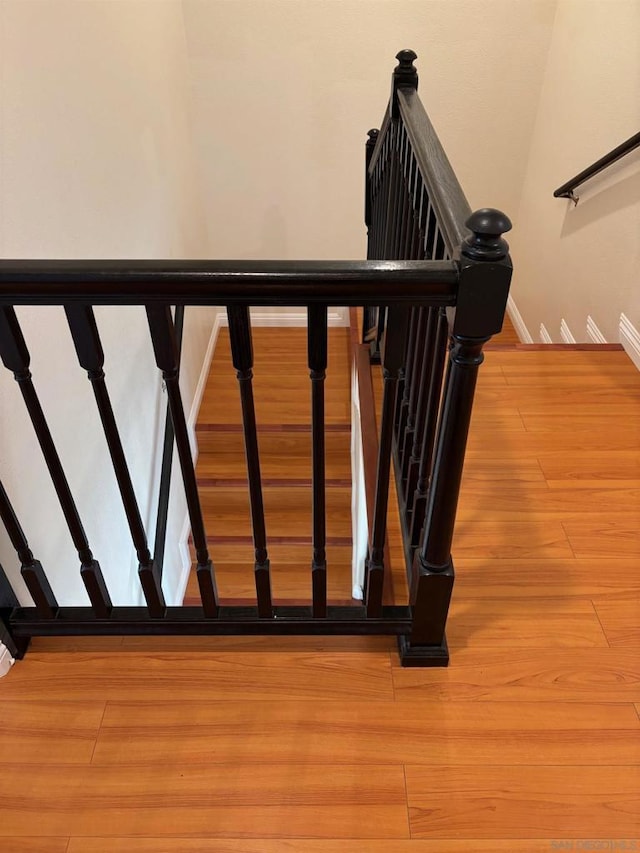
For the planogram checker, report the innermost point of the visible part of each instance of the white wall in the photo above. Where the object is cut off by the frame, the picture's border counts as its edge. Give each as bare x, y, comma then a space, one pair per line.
285, 91
96, 161
574, 262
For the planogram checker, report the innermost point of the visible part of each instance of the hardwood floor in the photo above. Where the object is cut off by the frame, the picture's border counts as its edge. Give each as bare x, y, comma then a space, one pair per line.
529, 741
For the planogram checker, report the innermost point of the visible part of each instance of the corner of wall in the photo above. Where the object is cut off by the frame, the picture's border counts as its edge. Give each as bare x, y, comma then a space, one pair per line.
518, 323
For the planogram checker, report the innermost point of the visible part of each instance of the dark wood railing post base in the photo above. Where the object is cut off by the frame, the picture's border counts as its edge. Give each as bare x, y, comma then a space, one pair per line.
431, 590
411, 655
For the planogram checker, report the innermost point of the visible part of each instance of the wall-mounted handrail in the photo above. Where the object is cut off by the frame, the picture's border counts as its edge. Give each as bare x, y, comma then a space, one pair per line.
566, 190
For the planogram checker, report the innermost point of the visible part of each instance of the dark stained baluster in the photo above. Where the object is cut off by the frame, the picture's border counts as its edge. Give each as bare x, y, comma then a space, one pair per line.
420, 462
16, 358
242, 355
403, 404
371, 217
86, 340
414, 388
413, 220
391, 361
317, 357
372, 138
391, 219
167, 464
30, 568
430, 238
421, 218
484, 268
404, 200
166, 353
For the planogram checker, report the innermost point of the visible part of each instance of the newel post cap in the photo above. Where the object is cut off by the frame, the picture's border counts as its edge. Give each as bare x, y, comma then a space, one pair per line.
485, 243
405, 76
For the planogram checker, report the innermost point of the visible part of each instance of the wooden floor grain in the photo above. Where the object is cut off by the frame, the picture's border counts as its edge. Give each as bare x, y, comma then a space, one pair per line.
528, 741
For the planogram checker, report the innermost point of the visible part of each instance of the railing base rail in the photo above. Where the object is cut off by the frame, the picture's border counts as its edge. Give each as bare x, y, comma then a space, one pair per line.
291, 620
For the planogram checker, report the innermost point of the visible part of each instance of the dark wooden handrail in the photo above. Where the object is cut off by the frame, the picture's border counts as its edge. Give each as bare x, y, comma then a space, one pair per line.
449, 201
626, 147
221, 282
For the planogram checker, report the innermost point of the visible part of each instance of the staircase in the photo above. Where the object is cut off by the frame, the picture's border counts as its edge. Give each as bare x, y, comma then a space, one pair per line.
549, 506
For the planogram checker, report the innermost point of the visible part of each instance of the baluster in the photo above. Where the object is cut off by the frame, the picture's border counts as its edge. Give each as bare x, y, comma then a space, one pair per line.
86, 340
392, 195
317, 357
415, 423
484, 268
166, 464
414, 388
422, 453
403, 405
412, 183
242, 355
166, 354
31, 569
371, 217
430, 238
404, 204
16, 358
420, 221
391, 362
372, 138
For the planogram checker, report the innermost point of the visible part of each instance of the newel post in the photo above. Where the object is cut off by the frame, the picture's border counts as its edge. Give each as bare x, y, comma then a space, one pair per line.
405, 76
485, 275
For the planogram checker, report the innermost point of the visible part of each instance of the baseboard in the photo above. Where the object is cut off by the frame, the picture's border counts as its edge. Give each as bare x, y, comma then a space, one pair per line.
518, 323
565, 333
6, 661
545, 337
630, 339
265, 317
593, 332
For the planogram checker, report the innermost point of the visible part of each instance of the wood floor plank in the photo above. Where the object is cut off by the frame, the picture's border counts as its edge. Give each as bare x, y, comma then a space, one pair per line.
601, 465
533, 502
530, 801
306, 845
318, 645
241, 800
620, 619
593, 675
34, 845
486, 733
607, 537
524, 623
520, 539
48, 732
549, 578
191, 676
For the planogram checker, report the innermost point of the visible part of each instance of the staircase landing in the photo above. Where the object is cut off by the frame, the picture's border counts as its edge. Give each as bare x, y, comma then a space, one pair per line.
528, 740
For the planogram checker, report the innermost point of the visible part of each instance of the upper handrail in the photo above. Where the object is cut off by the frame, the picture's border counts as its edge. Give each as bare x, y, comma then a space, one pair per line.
566, 190
203, 282
445, 193
447, 197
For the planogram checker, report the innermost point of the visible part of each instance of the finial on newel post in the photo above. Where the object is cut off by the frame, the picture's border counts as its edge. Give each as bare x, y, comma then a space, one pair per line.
405, 76
485, 242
